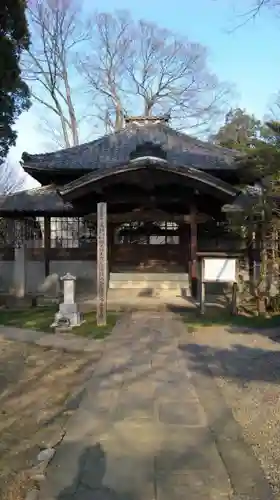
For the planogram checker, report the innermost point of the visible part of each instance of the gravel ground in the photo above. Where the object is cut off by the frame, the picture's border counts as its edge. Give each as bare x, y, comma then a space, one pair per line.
39, 389
246, 367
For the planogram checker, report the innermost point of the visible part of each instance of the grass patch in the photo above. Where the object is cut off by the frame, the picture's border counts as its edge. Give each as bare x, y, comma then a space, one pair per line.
222, 316
41, 318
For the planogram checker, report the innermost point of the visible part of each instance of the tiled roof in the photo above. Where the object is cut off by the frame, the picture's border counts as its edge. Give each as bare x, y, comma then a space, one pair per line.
116, 148
38, 200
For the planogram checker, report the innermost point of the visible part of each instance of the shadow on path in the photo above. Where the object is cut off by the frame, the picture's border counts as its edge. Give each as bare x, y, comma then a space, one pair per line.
239, 362
93, 461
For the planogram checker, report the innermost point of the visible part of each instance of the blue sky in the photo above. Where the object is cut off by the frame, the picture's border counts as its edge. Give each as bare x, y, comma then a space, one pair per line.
248, 57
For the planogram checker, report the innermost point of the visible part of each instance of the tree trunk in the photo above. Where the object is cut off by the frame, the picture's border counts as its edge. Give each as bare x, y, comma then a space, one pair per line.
73, 120
119, 117
62, 120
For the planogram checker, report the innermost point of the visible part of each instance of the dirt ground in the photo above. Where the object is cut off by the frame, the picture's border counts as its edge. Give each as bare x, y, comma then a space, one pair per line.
39, 388
246, 366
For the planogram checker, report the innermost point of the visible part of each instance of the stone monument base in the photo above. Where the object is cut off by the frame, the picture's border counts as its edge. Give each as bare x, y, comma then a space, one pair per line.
67, 317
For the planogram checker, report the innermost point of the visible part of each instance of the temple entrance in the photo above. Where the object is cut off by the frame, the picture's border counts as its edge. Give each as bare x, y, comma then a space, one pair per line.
153, 247
149, 258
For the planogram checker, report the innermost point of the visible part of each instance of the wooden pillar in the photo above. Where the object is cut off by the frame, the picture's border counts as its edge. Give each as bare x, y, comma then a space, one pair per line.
102, 270
193, 250
47, 244
184, 244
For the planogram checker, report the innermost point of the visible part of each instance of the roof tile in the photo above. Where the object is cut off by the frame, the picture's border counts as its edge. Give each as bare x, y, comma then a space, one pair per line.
116, 148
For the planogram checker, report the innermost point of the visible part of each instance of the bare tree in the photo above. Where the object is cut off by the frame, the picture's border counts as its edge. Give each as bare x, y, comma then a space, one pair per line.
129, 67
139, 68
105, 66
12, 178
56, 35
170, 74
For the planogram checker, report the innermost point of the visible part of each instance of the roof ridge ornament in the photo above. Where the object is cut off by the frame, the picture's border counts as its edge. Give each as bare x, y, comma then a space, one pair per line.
143, 120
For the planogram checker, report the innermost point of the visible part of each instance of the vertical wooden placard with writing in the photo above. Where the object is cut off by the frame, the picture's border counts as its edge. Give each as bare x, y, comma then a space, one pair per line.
193, 252
102, 278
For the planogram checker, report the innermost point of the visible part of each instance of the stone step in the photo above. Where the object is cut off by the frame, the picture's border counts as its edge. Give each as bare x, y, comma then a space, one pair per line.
145, 285
150, 283
149, 277
151, 297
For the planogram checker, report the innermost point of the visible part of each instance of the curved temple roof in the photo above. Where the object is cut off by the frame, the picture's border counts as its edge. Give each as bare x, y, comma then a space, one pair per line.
73, 189
52, 200
151, 146
116, 148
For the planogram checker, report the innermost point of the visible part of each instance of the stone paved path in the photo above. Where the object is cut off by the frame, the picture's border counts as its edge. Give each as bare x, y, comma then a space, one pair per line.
141, 432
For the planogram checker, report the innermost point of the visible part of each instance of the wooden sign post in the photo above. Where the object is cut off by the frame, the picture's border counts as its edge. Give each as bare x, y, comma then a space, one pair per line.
102, 278
219, 270
202, 289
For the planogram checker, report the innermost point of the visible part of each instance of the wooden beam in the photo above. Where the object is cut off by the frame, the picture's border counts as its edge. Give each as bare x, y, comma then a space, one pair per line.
47, 244
160, 172
193, 249
102, 271
152, 215
126, 195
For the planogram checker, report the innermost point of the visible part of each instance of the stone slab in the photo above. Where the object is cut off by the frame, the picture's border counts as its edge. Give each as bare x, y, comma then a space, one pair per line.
130, 439
176, 412
176, 391
190, 487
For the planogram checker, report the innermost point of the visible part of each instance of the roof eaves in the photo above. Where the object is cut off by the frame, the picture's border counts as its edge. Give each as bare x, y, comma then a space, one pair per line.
36, 200
146, 162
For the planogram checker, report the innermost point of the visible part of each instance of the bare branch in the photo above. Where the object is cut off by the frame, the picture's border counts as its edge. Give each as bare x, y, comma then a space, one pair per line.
140, 68
118, 66
254, 11
260, 4
12, 178
105, 68
57, 34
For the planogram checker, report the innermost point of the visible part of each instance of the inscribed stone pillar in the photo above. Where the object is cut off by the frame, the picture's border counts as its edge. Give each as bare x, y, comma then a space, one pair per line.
102, 271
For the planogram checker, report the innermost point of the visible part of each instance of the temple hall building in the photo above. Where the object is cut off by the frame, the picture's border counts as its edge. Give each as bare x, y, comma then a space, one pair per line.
134, 209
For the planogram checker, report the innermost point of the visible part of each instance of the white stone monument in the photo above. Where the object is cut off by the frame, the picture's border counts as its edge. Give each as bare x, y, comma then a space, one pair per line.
68, 315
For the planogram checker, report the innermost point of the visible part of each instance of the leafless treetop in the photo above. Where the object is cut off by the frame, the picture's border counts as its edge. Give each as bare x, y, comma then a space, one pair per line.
57, 33
108, 65
12, 178
139, 68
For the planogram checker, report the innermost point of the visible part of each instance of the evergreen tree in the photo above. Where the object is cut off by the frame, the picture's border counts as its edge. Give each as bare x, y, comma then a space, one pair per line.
14, 93
240, 131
